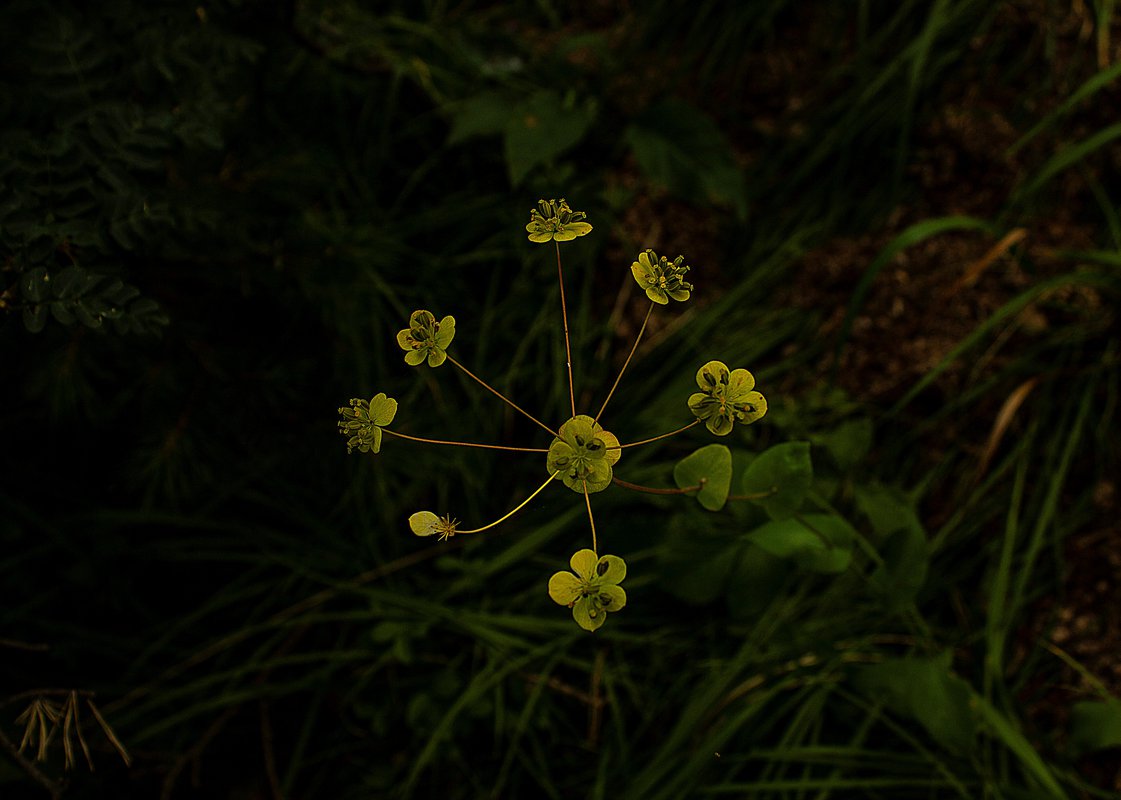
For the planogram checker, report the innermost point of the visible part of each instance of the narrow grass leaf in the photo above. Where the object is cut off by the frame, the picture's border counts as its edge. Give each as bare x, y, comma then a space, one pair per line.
1066, 158
908, 238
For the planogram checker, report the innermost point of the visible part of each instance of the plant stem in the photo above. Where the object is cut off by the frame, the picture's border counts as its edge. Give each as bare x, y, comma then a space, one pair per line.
651, 490
464, 444
567, 346
503, 397
656, 438
514, 510
637, 339
591, 519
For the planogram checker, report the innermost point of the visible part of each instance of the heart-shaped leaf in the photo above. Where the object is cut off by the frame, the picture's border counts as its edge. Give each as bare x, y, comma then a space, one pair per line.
779, 478
817, 542
926, 690
710, 467
1095, 725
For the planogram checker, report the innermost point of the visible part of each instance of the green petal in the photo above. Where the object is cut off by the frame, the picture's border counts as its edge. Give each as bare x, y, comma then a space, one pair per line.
708, 376
421, 318
559, 457
382, 409
758, 402
541, 237
658, 295
583, 563
719, 424
404, 339
740, 381
640, 274
581, 426
375, 439
573, 482
415, 357
613, 451
587, 615
648, 259
564, 588
436, 357
423, 523
598, 477
579, 228
564, 235
610, 570
446, 332
611, 598
702, 405
596, 448
680, 294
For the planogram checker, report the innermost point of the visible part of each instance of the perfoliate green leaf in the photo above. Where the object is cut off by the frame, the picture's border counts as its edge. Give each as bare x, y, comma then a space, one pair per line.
901, 541
541, 128
906, 554
1095, 725
755, 580
485, 113
924, 689
678, 147
695, 563
710, 467
779, 478
848, 443
817, 542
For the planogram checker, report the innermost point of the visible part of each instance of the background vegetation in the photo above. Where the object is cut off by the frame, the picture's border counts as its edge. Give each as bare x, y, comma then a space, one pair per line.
901, 215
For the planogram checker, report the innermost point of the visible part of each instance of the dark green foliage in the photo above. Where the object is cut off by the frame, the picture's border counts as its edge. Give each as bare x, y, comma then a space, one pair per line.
98, 106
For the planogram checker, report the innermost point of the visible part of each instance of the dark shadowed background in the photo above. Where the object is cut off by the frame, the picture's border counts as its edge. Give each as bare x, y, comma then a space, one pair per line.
901, 216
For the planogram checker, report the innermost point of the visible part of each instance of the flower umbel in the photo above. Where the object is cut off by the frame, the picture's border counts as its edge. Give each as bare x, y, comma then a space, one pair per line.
583, 454
553, 219
661, 278
593, 590
426, 338
363, 421
725, 398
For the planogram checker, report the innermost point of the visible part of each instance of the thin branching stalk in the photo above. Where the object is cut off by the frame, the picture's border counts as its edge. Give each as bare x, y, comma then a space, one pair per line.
516, 509
465, 444
567, 346
630, 355
637, 487
656, 438
591, 519
499, 394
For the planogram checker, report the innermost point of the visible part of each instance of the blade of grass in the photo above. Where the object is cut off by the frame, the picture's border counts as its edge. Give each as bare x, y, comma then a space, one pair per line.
1064, 159
908, 238
1087, 89
1009, 309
